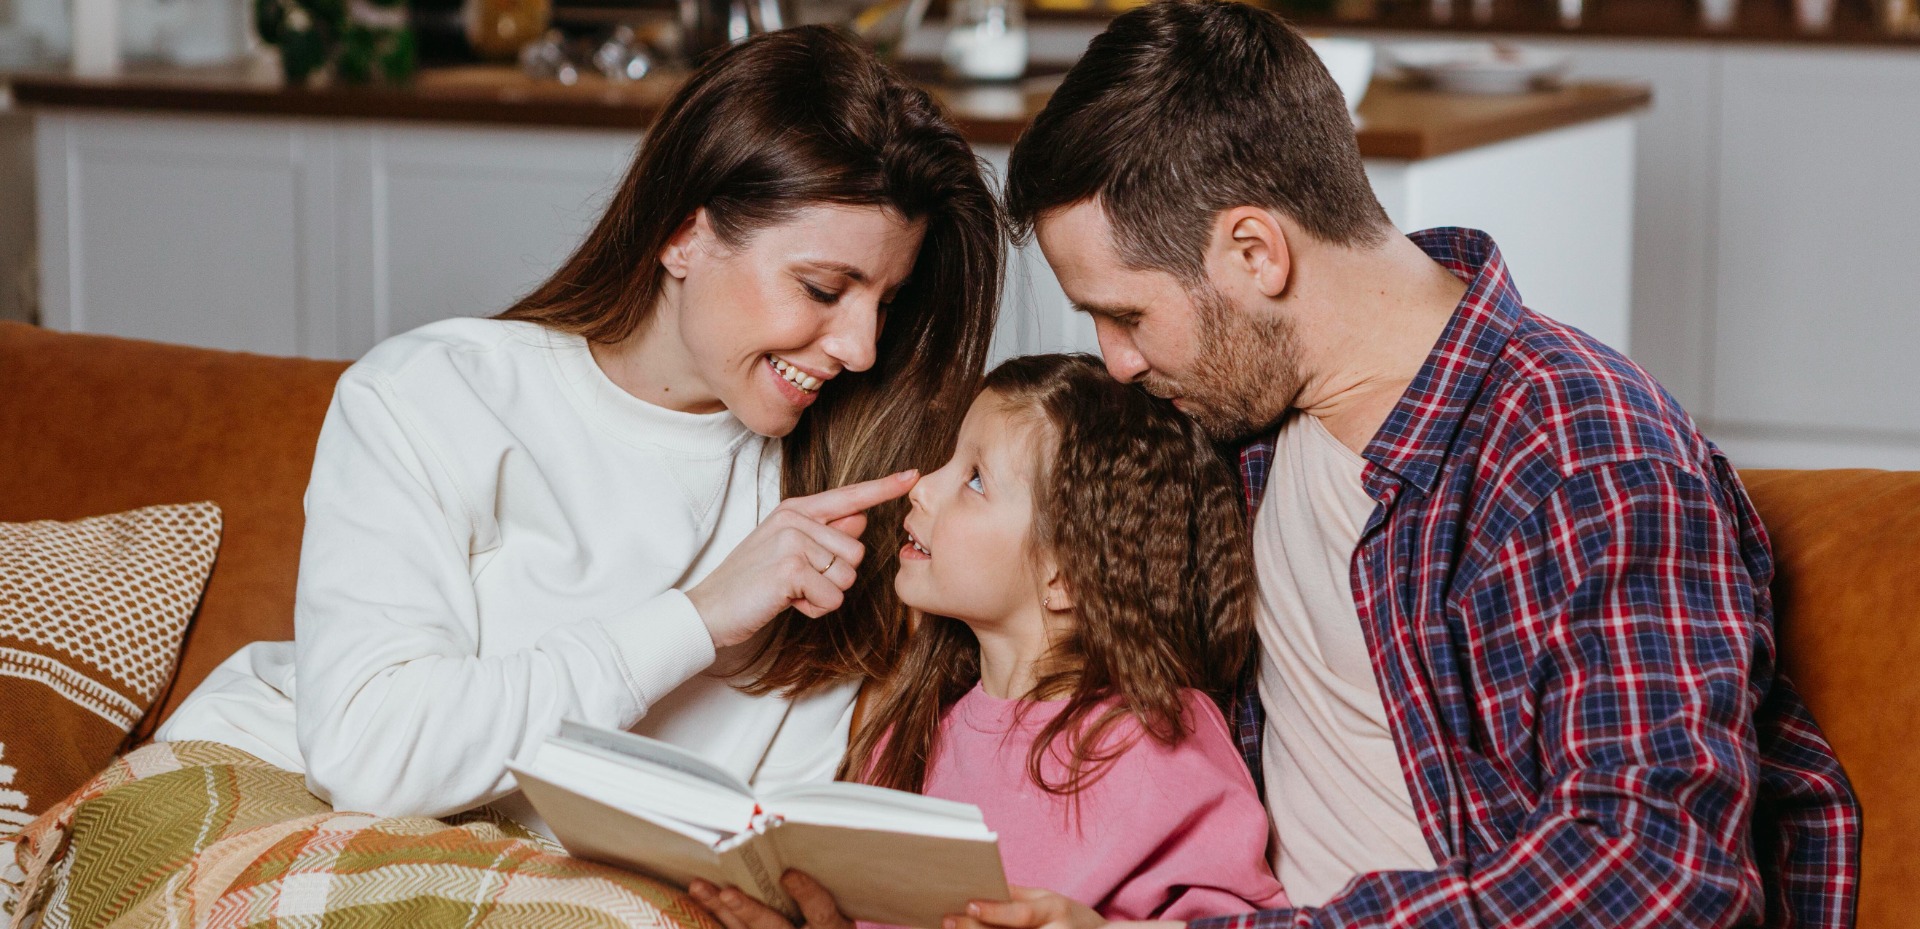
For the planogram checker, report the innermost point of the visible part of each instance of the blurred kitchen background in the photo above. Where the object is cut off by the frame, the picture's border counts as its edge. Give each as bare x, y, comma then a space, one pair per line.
1727, 190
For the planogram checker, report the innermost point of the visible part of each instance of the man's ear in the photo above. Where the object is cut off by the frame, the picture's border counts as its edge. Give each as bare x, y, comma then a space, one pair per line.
677, 256
1251, 244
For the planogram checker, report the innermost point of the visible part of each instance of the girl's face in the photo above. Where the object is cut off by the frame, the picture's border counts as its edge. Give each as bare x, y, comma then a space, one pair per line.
967, 554
761, 329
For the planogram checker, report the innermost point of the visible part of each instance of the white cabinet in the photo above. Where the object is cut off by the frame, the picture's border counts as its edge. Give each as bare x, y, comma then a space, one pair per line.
321, 238
1816, 333
161, 232
439, 222
1560, 205
1035, 315
1673, 204
303, 237
1776, 263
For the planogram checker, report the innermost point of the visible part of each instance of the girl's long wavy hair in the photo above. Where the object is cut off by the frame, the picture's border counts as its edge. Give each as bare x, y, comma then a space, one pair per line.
764, 129
1145, 522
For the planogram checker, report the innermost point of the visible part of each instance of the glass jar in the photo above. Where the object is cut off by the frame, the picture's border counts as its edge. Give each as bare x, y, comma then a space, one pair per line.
498, 28
986, 40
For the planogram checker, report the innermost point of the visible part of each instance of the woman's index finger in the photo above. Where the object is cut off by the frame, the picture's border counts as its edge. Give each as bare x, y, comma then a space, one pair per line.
852, 499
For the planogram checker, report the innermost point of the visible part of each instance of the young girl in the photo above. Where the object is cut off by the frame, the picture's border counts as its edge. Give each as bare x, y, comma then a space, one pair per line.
1084, 591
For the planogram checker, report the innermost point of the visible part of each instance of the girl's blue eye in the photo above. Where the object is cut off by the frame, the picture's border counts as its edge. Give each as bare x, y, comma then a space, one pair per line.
974, 482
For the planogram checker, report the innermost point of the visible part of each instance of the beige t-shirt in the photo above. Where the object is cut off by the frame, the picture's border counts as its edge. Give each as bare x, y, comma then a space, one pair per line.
1334, 784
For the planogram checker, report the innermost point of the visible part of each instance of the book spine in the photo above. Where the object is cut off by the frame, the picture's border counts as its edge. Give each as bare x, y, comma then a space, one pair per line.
754, 868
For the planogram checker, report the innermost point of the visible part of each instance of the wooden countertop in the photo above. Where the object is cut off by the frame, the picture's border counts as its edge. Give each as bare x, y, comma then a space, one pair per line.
1854, 25
1397, 121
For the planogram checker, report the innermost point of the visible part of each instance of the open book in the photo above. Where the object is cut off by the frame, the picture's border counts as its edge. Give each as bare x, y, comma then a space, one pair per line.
639, 803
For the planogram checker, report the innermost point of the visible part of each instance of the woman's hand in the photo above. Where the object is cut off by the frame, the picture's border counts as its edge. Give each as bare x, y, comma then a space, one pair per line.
736, 910
803, 555
1032, 908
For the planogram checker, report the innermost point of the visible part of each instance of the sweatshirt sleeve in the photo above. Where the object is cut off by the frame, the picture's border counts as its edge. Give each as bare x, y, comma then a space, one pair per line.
397, 713
1211, 859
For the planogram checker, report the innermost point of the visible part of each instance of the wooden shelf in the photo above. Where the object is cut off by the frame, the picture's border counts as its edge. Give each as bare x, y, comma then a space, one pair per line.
1397, 121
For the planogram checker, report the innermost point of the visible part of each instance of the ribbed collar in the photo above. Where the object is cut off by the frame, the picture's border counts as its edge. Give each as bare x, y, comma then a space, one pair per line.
633, 420
1413, 442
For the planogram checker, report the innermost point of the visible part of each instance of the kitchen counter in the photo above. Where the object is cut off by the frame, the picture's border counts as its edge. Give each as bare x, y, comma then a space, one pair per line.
1397, 121
332, 218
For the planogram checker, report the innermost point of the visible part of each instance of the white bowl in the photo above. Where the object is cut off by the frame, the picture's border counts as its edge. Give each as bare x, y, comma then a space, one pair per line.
1478, 67
1350, 61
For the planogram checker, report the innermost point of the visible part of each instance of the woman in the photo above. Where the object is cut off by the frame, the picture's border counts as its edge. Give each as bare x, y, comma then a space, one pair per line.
573, 510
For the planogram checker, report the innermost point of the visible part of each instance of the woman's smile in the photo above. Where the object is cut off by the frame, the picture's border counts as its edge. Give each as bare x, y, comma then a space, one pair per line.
797, 387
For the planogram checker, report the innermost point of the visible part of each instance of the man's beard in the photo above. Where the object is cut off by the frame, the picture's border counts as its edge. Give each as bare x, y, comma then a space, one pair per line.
1245, 374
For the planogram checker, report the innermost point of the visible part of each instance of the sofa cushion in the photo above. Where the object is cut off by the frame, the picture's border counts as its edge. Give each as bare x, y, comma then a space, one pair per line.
1847, 582
91, 617
91, 424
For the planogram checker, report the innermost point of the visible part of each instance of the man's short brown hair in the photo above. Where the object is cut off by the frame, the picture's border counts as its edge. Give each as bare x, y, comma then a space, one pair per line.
1183, 109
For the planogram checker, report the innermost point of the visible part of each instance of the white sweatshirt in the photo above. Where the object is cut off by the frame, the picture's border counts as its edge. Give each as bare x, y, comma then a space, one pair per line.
497, 538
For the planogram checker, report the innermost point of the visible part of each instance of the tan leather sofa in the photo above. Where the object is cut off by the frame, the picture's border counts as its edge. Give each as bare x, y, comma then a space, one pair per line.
92, 425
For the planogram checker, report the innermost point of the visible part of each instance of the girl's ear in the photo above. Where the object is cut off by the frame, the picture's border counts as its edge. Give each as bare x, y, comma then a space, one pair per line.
1057, 596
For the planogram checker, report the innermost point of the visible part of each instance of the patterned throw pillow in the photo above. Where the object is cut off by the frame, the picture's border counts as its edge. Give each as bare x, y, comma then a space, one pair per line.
92, 613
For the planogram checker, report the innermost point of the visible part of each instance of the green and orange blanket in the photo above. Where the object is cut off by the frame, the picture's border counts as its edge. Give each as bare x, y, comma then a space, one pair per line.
198, 834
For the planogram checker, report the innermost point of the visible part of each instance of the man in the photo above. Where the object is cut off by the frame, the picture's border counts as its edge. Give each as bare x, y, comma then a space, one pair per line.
1516, 640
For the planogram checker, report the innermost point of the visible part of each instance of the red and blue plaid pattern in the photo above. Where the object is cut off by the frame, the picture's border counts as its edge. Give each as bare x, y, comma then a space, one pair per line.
1564, 591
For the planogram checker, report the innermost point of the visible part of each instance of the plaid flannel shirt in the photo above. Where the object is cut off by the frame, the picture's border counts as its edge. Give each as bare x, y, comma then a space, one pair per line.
1564, 593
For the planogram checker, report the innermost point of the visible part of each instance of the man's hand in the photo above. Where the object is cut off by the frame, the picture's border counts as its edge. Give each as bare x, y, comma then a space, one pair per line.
736, 910
1032, 908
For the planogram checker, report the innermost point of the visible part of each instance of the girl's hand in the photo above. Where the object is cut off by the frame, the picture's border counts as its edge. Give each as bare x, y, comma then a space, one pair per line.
803, 555
1032, 908
736, 910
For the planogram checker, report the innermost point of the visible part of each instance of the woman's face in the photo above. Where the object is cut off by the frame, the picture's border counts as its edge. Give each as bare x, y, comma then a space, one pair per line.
968, 552
763, 328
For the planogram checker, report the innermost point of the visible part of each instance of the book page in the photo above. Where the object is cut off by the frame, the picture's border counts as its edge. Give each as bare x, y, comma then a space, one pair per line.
870, 807
598, 832
639, 785
652, 750
661, 848
892, 877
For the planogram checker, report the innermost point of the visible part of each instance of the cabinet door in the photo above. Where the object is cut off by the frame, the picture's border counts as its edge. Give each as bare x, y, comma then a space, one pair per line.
1035, 314
1817, 309
442, 222
183, 230
1673, 199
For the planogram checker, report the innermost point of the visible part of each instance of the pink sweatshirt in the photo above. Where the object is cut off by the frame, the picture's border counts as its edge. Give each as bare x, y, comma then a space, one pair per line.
1164, 833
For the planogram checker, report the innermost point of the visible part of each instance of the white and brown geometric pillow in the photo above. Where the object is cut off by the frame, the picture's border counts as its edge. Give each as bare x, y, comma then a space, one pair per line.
92, 613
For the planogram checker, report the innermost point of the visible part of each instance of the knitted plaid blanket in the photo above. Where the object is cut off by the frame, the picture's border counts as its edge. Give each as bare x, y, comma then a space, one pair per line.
199, 834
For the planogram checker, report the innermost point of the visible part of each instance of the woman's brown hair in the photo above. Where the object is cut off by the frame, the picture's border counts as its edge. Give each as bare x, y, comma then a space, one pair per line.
762, 130
1144, 521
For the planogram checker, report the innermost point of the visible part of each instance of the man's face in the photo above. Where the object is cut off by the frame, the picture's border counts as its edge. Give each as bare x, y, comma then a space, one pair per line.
1232, 370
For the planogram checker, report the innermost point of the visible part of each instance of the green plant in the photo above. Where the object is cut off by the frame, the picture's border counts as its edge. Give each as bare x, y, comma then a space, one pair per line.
365, 42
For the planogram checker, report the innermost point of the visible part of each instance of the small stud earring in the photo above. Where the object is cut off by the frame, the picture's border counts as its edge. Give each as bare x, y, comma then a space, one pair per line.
1046, 603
